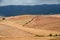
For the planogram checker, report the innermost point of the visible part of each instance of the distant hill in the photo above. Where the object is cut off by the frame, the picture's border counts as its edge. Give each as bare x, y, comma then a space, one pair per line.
13, 10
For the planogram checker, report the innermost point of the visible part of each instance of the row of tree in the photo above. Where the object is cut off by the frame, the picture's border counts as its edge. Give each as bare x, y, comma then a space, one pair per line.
54, 35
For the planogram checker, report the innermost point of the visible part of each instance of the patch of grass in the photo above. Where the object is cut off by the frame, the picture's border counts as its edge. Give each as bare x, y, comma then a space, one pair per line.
52, 39
57, 38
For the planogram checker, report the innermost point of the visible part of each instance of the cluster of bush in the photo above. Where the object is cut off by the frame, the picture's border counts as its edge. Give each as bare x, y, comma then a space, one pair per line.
54, 35
51, 35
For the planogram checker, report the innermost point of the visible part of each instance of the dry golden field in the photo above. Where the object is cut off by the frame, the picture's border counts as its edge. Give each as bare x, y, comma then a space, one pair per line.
30, 27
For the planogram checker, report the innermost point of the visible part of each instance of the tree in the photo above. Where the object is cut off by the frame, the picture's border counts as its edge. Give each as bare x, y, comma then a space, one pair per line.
59, 34
50, 35
55, 35
3, 18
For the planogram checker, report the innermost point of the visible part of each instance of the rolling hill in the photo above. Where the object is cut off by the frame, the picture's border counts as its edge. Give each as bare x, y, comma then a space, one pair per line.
45, 22
26, 27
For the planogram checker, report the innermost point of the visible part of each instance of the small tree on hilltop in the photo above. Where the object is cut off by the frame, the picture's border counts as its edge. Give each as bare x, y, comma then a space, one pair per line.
3, 18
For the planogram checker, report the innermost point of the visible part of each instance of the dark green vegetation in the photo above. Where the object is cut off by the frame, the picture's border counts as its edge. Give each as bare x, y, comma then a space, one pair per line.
13, 10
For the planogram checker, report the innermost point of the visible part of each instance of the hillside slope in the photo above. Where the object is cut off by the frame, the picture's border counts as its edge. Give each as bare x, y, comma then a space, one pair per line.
45, 22
26, 27
9, 31
48, 22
